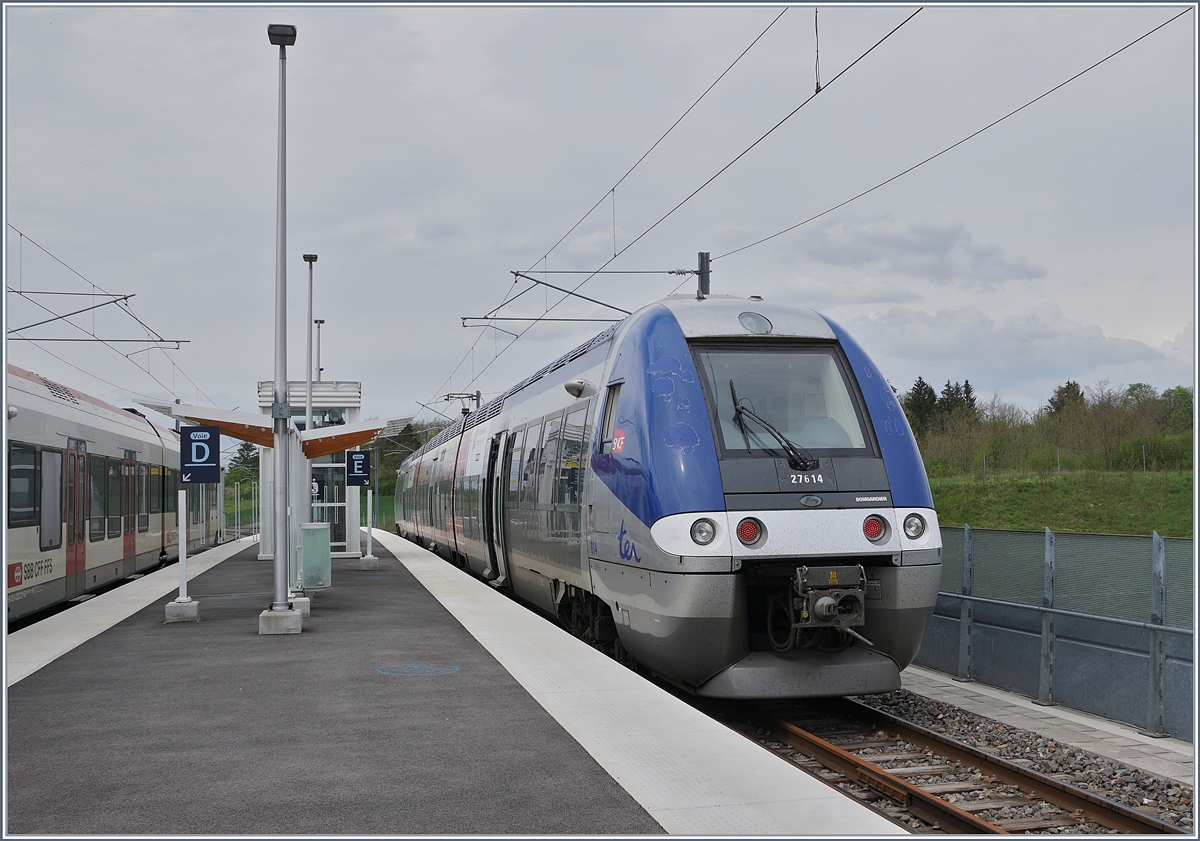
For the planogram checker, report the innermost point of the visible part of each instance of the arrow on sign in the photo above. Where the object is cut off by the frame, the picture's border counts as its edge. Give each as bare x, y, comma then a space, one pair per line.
187, 477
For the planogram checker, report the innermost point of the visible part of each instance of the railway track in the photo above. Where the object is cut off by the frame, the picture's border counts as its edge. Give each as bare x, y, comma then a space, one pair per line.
927, 781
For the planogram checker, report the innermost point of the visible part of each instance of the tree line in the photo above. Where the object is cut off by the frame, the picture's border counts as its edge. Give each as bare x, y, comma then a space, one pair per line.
1098, 427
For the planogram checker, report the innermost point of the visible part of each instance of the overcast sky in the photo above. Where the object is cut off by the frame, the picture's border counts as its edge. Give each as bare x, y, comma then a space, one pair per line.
433, 151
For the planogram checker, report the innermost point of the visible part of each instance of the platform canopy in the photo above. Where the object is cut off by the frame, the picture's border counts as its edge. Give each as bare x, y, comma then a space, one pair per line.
244, 426
258, 428
330, 439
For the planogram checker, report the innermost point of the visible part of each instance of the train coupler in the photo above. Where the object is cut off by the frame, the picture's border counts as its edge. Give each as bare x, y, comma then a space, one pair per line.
831, 597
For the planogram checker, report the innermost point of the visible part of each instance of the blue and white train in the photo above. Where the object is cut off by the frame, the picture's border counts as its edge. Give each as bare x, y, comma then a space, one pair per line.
724, 490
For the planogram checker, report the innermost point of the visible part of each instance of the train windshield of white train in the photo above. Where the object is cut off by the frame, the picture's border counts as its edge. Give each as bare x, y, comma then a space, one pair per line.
803, 392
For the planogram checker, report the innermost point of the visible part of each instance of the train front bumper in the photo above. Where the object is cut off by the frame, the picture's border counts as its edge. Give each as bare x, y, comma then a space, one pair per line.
765, 675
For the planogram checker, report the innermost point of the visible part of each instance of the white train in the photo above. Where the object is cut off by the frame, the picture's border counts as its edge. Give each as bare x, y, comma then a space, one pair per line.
91, 492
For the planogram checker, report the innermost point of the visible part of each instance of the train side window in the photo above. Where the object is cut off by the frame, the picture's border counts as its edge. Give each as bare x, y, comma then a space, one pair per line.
548, 460
567, 486
97, 468
512, 461
533, 437
156, 488
610, 418
143, 497
113, 497
22, 486
170, 491
50, 518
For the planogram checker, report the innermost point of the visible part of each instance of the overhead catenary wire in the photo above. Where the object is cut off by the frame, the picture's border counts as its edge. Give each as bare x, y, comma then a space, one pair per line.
123, 306
96, 377
606, 195
817, 44
92, 337
560, 289
695, 192
953, 145
653, 146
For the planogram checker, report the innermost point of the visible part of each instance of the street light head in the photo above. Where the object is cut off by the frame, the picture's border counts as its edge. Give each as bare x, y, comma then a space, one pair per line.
318, 321
310, 258
282, 34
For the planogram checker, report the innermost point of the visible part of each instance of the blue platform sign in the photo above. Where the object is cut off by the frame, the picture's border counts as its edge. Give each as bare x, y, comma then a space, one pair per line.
358, 468
200, 455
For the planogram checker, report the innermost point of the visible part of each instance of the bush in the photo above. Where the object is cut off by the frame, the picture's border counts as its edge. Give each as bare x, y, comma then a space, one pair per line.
1096, 428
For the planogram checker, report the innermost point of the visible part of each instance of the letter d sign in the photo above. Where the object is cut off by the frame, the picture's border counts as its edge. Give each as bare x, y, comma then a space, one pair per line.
200, 453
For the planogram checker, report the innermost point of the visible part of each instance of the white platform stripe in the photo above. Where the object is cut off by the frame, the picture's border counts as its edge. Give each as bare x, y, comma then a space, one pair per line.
693, 775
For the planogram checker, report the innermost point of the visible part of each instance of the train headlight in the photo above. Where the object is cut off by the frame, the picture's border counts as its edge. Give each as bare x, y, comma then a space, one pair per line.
875, 528
703, 532
750, 531
914, 526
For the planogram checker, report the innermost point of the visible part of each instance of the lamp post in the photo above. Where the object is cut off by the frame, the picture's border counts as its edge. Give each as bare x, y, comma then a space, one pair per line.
319, 322
308, 420
282, 36
310, 259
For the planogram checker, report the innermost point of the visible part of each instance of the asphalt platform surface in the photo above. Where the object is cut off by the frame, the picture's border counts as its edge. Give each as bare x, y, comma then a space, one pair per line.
209, 728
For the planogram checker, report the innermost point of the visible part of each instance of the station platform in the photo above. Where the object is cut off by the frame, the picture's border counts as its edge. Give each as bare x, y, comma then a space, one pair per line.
417, 700
1173, 759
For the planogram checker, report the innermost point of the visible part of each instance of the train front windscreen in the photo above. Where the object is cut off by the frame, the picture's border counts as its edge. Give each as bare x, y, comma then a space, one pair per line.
801, 394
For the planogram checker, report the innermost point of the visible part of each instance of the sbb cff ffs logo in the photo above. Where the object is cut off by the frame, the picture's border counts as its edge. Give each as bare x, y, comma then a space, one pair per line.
200, 455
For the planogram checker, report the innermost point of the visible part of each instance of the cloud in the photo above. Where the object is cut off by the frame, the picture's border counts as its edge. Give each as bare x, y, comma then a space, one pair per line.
1184, 344
943, 254
1043, 336
1003, 355
821, 293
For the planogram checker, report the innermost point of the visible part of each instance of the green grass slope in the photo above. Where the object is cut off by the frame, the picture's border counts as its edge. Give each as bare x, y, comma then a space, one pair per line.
1107, 503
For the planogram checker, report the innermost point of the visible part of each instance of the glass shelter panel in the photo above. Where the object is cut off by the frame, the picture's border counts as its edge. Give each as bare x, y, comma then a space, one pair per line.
329, 474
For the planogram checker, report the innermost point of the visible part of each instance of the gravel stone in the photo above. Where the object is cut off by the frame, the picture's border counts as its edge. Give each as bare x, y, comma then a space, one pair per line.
1166, 799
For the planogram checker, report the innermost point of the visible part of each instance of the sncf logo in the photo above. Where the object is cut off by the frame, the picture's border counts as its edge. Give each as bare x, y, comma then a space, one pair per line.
618, 440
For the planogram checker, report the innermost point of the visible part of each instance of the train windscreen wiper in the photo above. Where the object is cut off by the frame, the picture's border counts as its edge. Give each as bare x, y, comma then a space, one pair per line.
797, 457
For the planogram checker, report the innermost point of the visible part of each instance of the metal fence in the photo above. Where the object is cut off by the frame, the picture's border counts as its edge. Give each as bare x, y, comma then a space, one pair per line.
1101, 623
1099, 574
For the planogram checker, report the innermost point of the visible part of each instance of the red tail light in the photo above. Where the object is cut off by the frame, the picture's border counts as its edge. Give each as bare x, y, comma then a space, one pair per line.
874, 527
748, 531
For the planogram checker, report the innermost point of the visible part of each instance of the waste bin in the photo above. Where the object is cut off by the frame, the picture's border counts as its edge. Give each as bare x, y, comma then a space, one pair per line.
315, 575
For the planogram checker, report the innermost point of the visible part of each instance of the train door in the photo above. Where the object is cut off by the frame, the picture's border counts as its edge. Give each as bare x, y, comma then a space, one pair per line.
490, 537
129, 511
499, 467
76, 543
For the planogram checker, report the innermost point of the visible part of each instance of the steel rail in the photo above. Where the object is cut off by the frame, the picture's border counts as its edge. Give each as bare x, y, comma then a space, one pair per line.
920, 803
1100, 809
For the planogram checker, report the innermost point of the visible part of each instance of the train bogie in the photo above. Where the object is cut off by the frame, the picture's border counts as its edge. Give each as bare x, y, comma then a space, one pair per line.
724, 490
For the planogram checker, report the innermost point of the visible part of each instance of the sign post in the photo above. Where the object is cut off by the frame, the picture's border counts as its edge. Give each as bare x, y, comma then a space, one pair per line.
358, 474
199, 464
